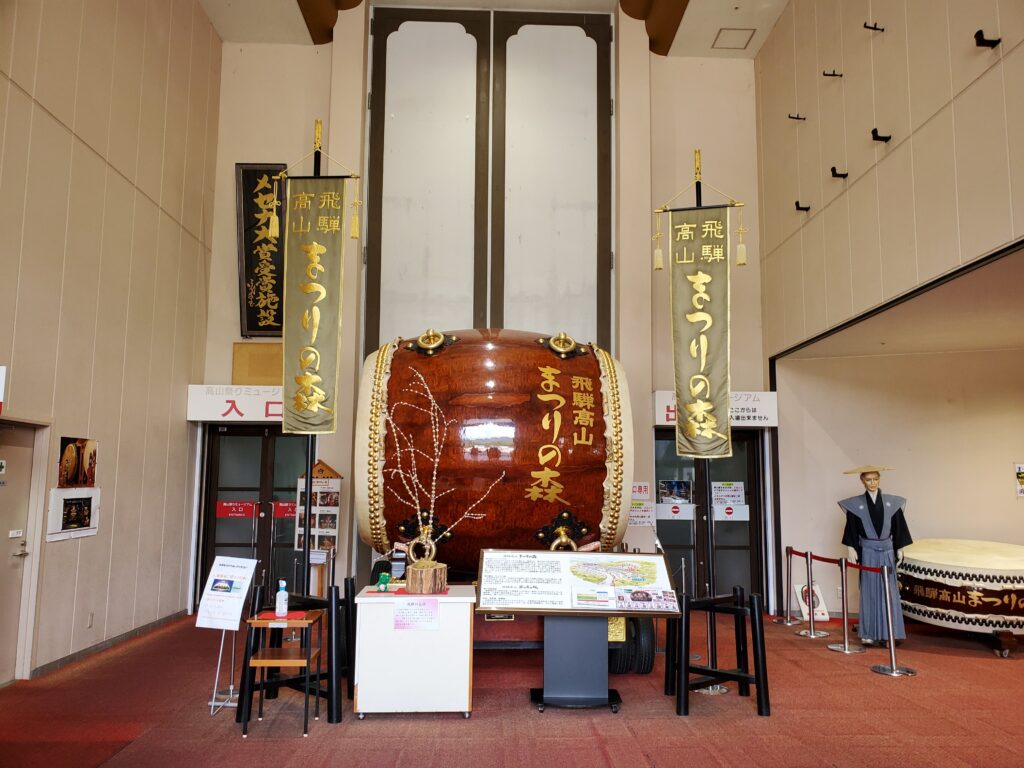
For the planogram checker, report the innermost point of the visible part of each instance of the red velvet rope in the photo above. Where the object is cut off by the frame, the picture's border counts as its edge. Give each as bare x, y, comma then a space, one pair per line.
825, 559
867, 568
797, 553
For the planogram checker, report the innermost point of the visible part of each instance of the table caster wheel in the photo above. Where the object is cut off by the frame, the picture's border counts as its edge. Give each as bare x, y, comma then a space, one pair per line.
466, 715
1003, 653
540, 707
615, 709
362, 715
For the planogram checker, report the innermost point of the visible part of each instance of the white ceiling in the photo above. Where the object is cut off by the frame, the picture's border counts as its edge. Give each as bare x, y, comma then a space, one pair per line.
257, 21
981, 310
279, 21
705, 18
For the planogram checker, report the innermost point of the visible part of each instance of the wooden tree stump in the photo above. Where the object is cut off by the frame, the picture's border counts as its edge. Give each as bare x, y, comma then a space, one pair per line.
426, 577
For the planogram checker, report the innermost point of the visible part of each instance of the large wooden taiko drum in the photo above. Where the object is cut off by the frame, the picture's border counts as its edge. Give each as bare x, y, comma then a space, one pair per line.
492, 438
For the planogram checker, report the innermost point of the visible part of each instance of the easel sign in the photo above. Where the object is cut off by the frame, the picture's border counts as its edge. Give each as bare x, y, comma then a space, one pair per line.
575, 583
224, 596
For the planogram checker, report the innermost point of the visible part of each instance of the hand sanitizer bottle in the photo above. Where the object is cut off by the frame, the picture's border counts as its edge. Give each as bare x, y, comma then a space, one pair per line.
281, 601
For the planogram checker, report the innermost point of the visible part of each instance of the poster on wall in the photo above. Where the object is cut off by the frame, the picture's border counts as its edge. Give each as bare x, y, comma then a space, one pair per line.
260, 251
76, 467
73, 513
325, 509
1020, 481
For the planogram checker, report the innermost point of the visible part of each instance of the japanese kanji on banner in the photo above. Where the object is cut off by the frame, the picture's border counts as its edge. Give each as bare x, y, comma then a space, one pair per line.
699, 265
313, 260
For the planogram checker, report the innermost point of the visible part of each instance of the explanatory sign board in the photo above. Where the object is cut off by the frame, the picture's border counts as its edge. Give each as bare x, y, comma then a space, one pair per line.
602, 583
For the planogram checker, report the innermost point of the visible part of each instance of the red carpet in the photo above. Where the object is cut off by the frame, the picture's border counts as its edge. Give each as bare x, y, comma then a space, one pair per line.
142, 704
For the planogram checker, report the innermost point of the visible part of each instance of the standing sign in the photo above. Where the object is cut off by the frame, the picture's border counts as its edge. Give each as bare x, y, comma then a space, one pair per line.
700, 330
313, 261
324, 511
224, 597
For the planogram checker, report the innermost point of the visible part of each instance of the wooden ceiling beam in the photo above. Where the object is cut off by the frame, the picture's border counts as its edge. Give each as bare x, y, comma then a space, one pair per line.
321, 16
660, 17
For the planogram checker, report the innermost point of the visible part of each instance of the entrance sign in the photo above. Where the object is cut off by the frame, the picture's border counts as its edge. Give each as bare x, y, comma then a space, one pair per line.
224, 596
601, 583
746, 409
230, 402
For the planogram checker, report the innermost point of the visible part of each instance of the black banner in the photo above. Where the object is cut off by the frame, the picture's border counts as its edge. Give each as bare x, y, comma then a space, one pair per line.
260, 256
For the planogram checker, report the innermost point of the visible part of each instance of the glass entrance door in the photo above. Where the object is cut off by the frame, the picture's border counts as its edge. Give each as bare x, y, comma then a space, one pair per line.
710, 509
249, 507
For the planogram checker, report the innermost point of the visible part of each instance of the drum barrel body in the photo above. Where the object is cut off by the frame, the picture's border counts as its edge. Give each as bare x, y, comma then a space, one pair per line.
494, 441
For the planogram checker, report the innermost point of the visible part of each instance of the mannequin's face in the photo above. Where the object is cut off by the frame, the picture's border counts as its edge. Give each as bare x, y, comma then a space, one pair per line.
870, 480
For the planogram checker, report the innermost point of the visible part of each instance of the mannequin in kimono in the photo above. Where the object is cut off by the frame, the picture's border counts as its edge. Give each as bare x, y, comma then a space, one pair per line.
876, 529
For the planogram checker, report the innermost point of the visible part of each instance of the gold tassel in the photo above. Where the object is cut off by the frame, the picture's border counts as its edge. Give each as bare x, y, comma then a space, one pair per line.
274, 228
354, 229
659, 257
741, 247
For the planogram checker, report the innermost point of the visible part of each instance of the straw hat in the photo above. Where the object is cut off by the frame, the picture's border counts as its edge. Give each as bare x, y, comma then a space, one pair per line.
866, 468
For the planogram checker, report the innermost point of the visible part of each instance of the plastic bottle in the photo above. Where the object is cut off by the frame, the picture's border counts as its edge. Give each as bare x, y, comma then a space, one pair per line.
281, 601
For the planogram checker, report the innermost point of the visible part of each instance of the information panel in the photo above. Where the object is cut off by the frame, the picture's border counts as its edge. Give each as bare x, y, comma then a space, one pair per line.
604, 583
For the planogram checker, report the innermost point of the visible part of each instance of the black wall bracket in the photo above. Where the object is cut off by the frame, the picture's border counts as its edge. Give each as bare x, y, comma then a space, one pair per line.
802, 207
837, 175
986, 42
833, 73
797, 116
879, 137
873, 27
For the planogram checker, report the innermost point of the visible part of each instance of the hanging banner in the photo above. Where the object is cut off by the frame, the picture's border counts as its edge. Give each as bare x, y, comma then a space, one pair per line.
700, 330
260, 259
313, 260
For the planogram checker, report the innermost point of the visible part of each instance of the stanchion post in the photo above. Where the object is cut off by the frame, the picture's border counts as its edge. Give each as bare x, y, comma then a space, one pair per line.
845, 646
892, 670
788, 620
811, 632
334, 661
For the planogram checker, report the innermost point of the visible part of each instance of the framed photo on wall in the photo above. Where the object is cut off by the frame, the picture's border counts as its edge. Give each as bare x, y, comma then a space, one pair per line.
73, 513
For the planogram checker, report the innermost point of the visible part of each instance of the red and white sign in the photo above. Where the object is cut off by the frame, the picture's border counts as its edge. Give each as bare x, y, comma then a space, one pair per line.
228, 402
244, 509
3, 384
746, 409
674, 511
731, 512
284, 509
641, 491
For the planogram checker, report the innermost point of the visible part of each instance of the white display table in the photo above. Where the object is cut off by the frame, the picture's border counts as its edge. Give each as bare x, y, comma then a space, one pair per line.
414, 653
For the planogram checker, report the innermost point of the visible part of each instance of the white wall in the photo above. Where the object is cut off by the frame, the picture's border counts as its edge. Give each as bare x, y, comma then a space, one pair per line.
950, 424
109, 115
271, 95
946, 190
708, 104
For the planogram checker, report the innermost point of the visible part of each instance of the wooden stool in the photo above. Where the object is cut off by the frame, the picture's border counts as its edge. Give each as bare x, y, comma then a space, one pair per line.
294, 658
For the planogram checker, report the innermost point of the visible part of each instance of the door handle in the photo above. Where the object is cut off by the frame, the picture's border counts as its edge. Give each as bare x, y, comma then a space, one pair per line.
23, 553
